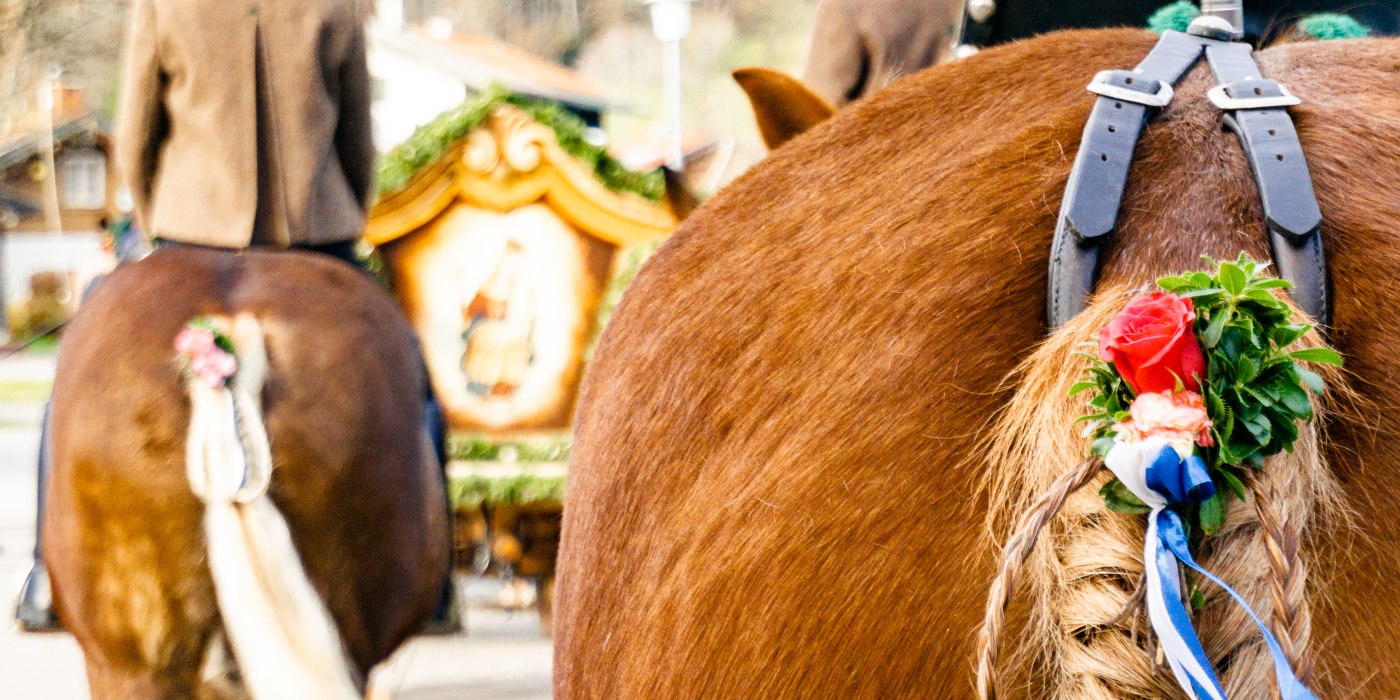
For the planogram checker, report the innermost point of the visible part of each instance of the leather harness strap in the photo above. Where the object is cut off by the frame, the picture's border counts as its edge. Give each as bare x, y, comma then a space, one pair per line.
1254, 110
1089, 210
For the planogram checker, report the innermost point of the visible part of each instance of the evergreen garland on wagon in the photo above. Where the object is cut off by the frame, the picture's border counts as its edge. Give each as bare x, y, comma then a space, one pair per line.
433, 140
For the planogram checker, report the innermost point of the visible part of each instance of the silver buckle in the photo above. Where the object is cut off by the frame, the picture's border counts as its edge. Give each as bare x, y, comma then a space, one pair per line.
1222, 99
1100, 86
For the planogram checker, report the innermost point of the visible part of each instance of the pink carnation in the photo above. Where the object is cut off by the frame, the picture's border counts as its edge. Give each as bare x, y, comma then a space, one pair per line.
205, 360
215, 368
194, 341
1179, 419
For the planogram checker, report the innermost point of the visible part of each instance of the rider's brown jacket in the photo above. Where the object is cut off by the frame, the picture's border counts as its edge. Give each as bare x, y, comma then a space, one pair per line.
860, 45
248, 121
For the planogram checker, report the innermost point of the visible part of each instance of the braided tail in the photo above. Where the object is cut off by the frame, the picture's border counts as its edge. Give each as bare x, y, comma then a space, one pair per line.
283, 637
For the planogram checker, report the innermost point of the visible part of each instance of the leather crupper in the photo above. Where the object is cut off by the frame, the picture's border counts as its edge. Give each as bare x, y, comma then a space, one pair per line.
1254, 108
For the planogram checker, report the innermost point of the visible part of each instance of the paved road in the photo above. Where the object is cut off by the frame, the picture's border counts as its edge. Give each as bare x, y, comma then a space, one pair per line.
503, 657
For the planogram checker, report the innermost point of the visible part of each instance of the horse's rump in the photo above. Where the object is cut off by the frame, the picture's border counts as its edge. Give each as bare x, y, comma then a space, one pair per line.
779, 484
353, 477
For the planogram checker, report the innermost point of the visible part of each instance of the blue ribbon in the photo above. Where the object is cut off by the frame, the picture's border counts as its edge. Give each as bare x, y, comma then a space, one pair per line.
1180, 480
1188, 481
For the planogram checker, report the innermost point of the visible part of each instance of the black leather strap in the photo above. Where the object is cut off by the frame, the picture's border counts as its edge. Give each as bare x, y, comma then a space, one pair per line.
1270, 143
1100, 173
1254, 110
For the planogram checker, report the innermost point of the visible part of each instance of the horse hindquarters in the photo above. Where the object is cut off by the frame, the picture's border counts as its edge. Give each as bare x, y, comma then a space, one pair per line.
746, 422
354, 488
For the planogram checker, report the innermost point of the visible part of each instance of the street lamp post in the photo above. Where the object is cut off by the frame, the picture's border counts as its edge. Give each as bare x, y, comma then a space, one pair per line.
7, 222
53, 215
670, 22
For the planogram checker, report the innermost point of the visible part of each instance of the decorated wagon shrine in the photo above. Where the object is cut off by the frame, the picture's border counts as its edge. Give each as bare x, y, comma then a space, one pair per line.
500, 228
499, 234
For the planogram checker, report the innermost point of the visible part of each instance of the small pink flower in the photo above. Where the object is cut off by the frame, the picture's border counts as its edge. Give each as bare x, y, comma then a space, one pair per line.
204, 359
214, 368
222, 364
1180, 419
194, 341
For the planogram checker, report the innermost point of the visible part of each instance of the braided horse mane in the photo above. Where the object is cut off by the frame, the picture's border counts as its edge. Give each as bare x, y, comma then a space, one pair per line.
807, 408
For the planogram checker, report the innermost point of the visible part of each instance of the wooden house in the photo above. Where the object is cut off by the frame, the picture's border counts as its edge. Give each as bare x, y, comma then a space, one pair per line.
419, 71
85, 171
52, 213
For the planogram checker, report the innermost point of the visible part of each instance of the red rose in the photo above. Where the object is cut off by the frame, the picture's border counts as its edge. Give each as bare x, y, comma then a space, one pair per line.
1151, 343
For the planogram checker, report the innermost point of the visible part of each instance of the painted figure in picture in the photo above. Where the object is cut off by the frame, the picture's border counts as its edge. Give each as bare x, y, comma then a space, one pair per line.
500, 320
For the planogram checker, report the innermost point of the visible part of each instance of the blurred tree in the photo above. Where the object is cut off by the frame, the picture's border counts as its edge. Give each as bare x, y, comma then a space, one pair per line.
560, 29
553, 29
82, 38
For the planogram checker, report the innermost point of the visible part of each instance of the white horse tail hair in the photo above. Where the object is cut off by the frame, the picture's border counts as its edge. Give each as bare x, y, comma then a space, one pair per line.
286, 644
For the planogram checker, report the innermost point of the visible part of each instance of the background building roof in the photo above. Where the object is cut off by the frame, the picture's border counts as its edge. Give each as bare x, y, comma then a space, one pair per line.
84, 130
479, 61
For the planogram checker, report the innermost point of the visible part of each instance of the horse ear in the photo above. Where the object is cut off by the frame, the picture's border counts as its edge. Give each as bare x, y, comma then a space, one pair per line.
782, 105
679, 194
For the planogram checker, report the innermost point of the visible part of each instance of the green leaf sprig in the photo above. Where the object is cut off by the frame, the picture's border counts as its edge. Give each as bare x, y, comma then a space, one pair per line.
1255, 389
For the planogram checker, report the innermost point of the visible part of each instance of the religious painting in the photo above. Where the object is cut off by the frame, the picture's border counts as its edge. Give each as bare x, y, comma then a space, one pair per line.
500, 255
504, 306
499, 318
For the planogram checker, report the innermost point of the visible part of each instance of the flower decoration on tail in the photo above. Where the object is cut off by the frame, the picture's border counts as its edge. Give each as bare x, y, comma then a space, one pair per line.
1193, 386
206, 354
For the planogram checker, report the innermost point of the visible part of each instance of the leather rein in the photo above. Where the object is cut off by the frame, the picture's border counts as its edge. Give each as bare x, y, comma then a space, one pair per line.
1253, 107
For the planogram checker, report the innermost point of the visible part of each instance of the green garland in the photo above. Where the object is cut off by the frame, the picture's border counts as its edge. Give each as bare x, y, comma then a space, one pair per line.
478, 448
433, 140
473, 491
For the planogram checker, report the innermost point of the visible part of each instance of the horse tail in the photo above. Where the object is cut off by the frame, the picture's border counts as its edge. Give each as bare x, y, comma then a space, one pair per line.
1086, 632
282, 635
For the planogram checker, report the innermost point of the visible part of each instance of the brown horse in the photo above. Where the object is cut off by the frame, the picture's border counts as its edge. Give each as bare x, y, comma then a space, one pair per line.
783, 107
787, 450
308, 586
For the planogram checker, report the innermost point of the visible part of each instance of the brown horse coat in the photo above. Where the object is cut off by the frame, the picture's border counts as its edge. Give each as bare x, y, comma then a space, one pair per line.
353, 479
777, 486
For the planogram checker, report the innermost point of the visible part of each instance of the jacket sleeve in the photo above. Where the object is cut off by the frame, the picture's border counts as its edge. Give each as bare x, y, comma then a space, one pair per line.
143, 120
354, 135
837, 63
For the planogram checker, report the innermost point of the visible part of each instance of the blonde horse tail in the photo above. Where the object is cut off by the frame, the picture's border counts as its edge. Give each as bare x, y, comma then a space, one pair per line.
281, 633
1086, 635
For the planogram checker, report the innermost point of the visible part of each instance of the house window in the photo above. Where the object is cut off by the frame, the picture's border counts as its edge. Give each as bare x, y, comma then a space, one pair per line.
84, 180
